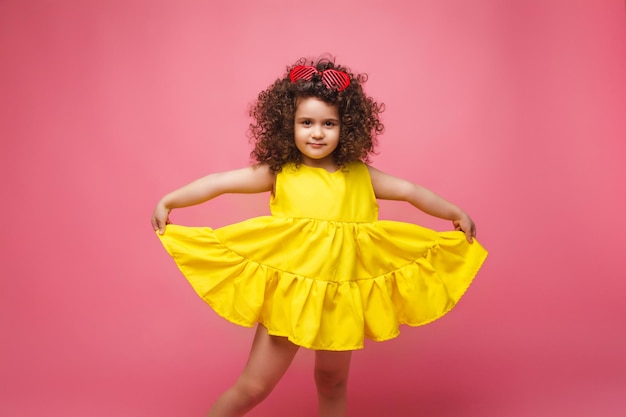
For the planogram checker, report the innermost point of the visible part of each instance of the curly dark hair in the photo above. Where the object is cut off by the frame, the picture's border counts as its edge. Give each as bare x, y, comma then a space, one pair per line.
272, 131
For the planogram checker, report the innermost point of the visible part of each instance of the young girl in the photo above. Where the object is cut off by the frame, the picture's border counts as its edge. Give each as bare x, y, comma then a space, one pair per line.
322, 272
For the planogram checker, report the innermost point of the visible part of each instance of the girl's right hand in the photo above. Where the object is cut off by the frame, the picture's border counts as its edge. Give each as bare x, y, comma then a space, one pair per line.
160, 218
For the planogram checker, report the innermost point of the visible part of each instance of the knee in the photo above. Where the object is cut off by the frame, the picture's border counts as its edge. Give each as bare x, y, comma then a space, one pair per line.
252, 392
330, 383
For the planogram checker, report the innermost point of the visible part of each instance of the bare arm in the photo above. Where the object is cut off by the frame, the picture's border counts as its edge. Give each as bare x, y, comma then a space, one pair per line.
388, 187
254, 179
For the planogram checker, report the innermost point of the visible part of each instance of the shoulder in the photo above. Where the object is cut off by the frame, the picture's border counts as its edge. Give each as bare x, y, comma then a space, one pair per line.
374, 172
263, 173
356, 166
387, 186
251, 179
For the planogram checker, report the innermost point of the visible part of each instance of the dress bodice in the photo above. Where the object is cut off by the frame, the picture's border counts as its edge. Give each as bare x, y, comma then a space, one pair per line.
345, 195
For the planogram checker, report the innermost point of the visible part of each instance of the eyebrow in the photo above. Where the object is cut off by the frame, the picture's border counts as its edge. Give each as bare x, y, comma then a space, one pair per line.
324, 119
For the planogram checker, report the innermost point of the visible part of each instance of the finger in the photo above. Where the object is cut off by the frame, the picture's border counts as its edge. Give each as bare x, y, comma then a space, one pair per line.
158, 226
469, 232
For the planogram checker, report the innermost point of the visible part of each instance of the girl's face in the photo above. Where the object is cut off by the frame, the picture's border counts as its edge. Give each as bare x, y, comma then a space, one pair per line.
317, 132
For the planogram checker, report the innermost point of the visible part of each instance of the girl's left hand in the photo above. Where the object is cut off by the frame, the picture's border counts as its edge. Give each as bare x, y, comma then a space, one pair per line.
465, 225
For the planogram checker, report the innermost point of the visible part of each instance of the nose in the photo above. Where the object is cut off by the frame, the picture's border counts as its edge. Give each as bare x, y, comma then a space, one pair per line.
317, 133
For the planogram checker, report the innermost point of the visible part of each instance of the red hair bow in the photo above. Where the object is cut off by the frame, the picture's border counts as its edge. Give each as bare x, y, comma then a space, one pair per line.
330, 77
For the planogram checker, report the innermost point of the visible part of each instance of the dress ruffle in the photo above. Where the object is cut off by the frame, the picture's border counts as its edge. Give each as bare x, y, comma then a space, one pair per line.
326, 285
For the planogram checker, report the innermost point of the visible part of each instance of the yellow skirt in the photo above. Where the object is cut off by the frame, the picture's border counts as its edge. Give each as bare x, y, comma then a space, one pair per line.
326, 285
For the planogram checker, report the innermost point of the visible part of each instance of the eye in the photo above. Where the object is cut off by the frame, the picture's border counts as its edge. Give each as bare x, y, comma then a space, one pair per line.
330, 124
306, 122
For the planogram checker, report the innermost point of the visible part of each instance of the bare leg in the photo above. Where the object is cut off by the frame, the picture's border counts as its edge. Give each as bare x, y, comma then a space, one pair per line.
269, 358
331, 379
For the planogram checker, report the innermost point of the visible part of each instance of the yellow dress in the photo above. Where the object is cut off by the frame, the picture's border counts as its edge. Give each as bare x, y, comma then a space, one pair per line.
322, 270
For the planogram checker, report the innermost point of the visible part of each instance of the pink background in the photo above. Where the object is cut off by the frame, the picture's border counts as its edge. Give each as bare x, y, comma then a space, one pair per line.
513, 109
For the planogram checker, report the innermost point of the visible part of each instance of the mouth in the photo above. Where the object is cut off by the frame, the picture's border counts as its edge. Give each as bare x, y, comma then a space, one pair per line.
316, 145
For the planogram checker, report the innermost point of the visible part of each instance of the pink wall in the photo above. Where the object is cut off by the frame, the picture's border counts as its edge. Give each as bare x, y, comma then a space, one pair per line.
515, 110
